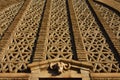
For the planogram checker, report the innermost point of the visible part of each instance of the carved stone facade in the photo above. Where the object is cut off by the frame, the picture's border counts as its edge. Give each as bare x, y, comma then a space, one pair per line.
60, 39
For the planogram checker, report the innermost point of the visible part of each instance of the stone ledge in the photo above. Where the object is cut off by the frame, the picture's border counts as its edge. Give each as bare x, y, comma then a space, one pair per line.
14, 75
60, 68
105, 75
73, 62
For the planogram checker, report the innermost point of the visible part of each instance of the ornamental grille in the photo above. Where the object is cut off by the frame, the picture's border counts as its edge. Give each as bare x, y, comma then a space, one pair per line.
99, 53
58, 44
111, 18
7, 16
17, 53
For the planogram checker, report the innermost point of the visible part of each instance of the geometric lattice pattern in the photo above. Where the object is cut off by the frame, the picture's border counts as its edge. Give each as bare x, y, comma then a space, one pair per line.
99, 53
58, 37
7, 15
17, 52
111, 18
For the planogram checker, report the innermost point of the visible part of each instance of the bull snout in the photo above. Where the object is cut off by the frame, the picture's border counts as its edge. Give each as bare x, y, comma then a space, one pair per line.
60, 70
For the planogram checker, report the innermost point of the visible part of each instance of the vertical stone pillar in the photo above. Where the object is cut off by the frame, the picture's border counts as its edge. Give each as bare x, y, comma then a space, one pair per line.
39, 54
86, 73
81, 54
33, 78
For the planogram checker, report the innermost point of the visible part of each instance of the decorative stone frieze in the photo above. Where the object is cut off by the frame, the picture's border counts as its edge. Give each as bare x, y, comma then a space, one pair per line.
60, 68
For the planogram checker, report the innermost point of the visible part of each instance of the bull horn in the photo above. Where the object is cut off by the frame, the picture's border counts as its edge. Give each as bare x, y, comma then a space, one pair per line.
51, 65
67, 66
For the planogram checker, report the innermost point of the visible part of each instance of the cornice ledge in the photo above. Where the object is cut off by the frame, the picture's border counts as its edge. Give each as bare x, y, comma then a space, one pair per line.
105, 75
72, 62
14, 75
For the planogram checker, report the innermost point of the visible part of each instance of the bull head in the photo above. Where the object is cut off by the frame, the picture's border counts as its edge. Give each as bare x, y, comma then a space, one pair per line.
60, 66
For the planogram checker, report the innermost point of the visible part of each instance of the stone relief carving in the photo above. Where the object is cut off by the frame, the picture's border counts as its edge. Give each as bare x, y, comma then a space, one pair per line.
60, 66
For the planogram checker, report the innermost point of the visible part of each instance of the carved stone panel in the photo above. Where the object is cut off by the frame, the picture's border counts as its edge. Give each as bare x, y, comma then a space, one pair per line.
111, 18
7, 15
98, 50
16, 55
58, 42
